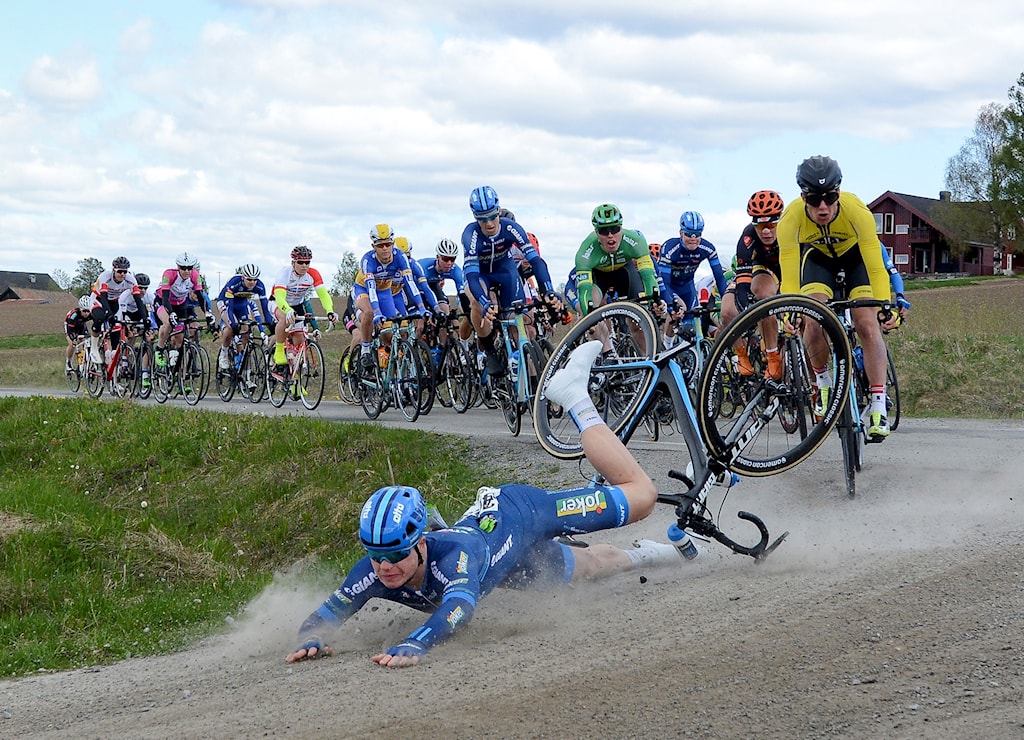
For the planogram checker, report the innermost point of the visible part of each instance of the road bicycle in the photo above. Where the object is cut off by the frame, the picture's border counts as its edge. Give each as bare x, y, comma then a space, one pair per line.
854, 423
182, 368
524, 360
118, 370
623, 388
248, 369
393, 376
77, 371
304, 373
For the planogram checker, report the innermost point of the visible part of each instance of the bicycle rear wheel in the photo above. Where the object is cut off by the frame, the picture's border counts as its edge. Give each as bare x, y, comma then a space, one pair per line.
616, 392
459, 375
853, 448
147, 367
346, 389
371, 385
225, 381
747, 439
124, 382
797, 405
311, 376
74, 375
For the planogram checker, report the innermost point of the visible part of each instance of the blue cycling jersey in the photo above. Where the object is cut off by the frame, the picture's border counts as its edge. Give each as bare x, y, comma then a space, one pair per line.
486, 256
503, 539
373, 278
419, 279
241, 306
677, 265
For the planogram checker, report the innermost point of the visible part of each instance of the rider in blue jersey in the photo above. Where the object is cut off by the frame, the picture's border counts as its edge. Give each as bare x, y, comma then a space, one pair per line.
488, 267
681, 256
505, 539
896, 281
383, 271
235, 302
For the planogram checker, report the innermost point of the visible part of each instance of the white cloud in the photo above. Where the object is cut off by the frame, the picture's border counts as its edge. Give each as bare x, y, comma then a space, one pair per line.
71, 81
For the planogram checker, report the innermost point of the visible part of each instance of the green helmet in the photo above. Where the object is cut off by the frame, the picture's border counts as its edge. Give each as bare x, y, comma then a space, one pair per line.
606, 215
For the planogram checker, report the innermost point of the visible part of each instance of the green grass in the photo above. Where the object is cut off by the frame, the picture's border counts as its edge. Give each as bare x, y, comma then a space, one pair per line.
90, 575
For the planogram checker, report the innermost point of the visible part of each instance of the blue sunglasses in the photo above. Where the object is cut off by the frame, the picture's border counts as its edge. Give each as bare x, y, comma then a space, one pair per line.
392, 556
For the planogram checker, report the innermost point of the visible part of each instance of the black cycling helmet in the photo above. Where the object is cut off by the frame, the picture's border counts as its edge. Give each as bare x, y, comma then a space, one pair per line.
818, 174
120, 263
142, 279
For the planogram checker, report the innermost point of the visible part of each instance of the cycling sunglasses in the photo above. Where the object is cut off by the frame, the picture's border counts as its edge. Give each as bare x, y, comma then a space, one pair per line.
608, 230
487, 219
392, 556
692, 234
814, 199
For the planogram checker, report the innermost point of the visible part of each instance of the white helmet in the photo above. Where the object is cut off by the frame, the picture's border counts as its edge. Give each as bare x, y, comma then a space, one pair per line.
447, 248
85, 303
186, 260
249, 270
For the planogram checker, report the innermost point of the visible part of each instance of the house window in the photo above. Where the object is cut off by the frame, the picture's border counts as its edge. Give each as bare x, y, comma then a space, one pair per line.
902, 228
890, 219
878, 223
1011, 232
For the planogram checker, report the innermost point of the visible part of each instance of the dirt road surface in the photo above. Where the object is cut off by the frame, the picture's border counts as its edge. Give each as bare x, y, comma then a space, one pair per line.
897, 614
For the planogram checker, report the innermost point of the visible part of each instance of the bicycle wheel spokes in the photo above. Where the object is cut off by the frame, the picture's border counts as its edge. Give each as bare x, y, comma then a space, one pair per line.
311, 376
190, 379
225, 381
371, 386
95, 378
460, 376
616, 391
756, 446
405, 379
427, 373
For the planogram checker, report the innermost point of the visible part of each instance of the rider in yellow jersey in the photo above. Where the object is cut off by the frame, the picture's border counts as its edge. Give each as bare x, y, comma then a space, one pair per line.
820, 234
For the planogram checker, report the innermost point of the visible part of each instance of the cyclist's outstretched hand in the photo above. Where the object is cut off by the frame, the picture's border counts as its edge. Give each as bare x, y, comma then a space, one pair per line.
332, 317
309, 650
396, 661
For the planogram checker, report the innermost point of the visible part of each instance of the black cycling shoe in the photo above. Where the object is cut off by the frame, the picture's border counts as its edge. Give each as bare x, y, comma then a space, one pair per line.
495, 367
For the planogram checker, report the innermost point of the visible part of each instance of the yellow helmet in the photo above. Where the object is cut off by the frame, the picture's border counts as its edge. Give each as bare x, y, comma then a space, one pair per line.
381, 233
402, 243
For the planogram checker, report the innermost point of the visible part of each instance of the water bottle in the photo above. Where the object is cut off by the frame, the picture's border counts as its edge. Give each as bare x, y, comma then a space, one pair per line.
109, 355
682, 542
858, 358
435, 355
515, 361
481, 360
382, 356
172, 358
238, 360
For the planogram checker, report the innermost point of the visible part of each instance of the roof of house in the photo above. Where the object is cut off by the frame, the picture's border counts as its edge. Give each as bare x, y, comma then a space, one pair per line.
34, 286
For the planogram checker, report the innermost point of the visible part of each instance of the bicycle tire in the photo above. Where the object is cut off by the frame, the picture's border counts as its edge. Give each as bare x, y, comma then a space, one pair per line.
124, 381
404, 378
427, 374
253, 372
535, 362
768, 449
277, 390
311, 377
460, 376
616, 394
798, 405
225, 381
371, 386
203, 374
892, 391
346, 390
852, 444
503, 390
74, 375
147, 364
190, 369
95, 378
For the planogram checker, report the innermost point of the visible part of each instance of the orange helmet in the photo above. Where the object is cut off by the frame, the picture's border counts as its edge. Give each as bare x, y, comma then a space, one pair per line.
655, 248
765, 205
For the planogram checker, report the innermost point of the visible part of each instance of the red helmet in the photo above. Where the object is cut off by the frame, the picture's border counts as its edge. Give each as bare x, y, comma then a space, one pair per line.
765, 205
302, 252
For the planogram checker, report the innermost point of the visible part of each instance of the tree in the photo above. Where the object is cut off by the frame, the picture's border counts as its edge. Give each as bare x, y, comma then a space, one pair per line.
61, 278
1011, 156
88, 270
345, 276
976, 178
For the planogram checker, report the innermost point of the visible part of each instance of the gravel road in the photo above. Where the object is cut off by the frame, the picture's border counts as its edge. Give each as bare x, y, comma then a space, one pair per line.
897, 614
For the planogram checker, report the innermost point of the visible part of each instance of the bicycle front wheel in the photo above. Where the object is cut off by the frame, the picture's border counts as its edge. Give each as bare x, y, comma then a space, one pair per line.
147, 366
892, 392
311, 376
124, 382
95, 378
190, 379
404, 376
747, 441
252, 381
616, 392
427, 373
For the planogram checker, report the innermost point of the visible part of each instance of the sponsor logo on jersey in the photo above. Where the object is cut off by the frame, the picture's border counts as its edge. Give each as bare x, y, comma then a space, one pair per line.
456, 615
436, 572
582, 504
463, 565
503, 551
360, 586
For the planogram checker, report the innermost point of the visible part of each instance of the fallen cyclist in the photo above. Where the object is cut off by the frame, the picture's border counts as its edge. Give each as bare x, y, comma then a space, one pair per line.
504, 539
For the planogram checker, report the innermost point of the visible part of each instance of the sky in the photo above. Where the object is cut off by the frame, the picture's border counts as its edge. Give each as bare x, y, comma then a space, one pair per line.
236, 129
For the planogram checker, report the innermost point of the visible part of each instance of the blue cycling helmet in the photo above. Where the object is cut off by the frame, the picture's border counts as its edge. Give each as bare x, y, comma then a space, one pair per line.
691, 221
483, 201
393, 519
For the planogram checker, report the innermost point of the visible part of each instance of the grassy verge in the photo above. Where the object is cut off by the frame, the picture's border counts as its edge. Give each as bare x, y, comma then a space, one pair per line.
128, 530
